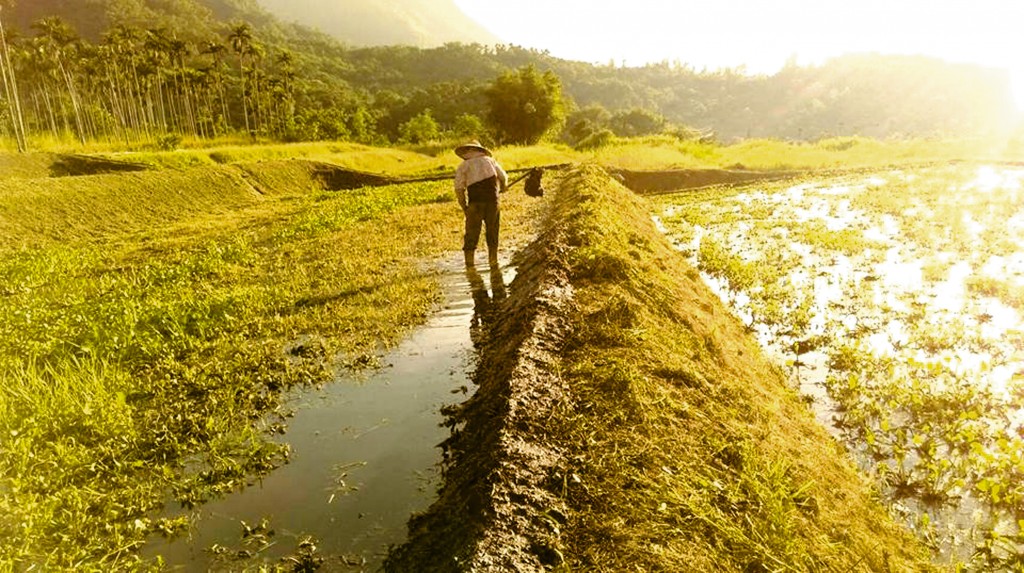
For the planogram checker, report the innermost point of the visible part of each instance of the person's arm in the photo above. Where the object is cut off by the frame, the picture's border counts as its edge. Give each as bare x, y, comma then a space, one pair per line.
502, 177
460, 186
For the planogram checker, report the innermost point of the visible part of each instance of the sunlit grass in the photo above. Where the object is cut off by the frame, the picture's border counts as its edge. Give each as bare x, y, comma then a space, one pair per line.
145, 334
652, 153
683, 445
350, 155
644, 153
663, 152
168, 299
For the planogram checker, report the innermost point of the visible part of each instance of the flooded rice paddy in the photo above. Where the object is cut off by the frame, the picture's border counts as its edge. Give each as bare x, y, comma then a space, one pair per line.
894, 300
364, 454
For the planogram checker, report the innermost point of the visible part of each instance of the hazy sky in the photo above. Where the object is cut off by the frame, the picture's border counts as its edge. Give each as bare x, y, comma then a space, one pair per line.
760, 34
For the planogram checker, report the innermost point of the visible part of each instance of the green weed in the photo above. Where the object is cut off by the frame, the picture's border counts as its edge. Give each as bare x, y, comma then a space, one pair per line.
144, 348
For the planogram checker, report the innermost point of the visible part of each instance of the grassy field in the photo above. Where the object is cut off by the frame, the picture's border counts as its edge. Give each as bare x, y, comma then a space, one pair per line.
648, 153
150, 321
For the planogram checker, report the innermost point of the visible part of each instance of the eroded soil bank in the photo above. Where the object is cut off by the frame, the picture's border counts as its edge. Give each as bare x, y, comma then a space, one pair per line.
625, 420
668, 181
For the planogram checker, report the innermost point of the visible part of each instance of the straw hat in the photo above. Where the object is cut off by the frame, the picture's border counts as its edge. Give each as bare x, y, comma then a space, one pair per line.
471, 146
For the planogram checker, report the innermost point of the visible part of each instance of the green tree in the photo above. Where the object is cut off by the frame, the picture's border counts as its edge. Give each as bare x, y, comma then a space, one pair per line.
241, 40
524, 105
10, 93
56, 43
362, 125
585, 122
636, 122
469, 126
217, 72
421, 128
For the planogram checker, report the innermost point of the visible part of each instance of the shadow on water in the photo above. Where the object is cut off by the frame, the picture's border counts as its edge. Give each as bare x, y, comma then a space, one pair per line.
364, 451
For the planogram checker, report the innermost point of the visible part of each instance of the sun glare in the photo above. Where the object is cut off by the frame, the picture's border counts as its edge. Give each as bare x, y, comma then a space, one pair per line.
1017, 85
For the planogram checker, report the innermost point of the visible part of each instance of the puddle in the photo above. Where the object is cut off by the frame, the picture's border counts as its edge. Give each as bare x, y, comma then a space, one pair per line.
364, 453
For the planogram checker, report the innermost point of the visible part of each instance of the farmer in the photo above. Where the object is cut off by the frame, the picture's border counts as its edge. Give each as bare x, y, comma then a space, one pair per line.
478, 181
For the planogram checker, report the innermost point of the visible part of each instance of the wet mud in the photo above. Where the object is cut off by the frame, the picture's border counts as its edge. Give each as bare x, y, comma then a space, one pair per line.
495, 510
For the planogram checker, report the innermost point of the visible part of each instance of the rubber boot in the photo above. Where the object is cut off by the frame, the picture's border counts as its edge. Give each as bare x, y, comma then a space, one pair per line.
469, 258
492, 257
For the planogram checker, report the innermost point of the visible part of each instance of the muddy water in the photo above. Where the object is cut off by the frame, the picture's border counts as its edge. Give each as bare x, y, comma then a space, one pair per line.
364, 451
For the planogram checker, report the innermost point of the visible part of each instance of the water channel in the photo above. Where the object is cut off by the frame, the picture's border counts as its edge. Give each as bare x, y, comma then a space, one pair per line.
364, 453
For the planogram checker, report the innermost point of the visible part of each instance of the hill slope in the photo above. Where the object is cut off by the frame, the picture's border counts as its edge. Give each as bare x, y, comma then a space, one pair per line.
312, 87
423, 23
186, 19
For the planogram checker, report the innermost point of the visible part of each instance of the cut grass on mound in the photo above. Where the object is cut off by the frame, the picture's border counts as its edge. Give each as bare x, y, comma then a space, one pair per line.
683, 444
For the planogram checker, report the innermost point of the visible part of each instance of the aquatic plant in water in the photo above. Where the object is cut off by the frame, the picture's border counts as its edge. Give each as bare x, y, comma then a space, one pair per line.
894, 299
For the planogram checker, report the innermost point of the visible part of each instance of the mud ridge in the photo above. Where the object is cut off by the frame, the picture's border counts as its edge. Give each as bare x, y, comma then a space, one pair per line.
76, 165
495, 511
670, 181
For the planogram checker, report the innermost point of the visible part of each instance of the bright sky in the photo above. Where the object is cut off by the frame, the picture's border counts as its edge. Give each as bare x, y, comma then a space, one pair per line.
761, 34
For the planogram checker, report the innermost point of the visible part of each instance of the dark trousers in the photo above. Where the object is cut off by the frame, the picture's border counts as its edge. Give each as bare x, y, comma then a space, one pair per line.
478, 214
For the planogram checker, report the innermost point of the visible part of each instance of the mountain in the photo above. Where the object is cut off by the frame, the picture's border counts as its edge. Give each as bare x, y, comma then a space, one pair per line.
186, 19
208, 67
421, 23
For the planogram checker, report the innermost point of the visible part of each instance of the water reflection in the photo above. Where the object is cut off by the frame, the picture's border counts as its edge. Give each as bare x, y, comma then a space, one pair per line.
485, 302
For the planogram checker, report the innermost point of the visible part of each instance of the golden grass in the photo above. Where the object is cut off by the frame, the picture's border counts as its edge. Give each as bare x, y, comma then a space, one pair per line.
182, 285
645, 153
685, 444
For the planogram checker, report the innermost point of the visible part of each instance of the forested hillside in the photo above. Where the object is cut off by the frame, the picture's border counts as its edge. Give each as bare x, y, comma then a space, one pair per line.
157, 70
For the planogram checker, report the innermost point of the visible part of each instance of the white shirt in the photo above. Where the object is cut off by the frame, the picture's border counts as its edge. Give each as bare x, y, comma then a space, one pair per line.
476, 167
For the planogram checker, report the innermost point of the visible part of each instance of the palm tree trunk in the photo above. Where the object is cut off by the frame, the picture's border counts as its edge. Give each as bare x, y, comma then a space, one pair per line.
50, 112
11, 91
245, 107
75, 104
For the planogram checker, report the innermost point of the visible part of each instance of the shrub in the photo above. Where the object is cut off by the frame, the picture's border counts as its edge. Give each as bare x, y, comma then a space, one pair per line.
596, 140
168, 141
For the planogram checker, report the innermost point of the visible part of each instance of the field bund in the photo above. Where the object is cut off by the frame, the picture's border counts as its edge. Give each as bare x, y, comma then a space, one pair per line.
625, 420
